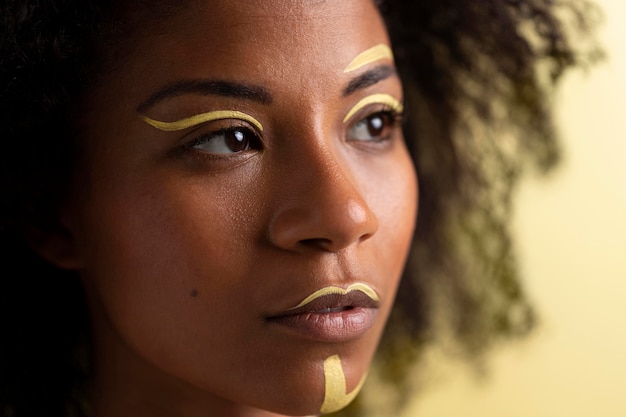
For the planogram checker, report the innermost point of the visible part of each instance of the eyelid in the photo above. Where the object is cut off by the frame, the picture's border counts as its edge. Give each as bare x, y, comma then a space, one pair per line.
387, 99
202, 118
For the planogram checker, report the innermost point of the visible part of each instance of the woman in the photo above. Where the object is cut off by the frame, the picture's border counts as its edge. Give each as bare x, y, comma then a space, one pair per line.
228, 183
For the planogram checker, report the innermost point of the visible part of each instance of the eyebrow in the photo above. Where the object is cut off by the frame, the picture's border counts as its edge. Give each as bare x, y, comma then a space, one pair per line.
208, 87
369, 78
252, 92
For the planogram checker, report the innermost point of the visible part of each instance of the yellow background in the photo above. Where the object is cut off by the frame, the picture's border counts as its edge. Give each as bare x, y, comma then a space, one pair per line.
571, 231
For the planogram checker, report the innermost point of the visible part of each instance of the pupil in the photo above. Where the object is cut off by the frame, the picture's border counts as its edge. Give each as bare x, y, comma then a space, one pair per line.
236, 140
376, 125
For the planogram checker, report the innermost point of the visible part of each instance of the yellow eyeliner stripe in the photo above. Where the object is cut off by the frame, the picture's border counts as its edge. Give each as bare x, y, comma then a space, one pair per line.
336, 396
202, 118
374, 99
364, 288
380, 51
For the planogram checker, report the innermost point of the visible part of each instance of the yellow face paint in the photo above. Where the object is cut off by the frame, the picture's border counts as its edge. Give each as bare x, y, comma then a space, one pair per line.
380, 51
364, 288
202, 118
335, 395
374, 99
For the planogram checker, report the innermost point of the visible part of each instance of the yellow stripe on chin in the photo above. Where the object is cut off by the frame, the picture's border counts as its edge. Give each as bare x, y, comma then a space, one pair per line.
336, 396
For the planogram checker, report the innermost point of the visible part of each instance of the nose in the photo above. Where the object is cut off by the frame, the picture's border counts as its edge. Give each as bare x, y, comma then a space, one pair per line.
323, 208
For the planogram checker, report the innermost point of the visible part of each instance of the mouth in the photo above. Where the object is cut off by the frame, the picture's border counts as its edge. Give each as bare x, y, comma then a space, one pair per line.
329, 316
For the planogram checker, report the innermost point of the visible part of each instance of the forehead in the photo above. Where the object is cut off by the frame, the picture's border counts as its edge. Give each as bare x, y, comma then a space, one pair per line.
267, 41
282, 20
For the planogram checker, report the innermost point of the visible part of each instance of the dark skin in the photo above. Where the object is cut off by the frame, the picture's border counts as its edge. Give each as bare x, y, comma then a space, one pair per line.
189, 242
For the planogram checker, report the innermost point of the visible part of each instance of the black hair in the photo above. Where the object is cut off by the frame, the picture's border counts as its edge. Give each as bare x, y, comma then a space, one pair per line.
478, 77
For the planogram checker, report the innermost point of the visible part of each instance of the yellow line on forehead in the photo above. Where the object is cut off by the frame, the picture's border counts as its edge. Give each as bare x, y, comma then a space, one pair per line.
202, 118
374, 99
380, 51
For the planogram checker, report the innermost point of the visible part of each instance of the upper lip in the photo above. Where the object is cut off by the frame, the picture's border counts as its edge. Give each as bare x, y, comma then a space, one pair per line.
332, 303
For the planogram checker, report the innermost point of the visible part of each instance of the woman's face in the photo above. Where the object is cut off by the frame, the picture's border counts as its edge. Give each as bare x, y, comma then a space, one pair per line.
197, 239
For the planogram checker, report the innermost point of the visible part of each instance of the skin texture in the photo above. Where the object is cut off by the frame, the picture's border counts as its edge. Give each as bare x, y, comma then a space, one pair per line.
185, 252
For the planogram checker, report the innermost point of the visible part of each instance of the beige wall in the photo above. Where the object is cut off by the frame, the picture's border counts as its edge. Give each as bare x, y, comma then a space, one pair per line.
572, 236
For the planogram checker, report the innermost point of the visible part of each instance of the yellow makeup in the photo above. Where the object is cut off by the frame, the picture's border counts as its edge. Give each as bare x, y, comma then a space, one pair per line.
202, 118
374, 99
364, 288
380, 51
335, 395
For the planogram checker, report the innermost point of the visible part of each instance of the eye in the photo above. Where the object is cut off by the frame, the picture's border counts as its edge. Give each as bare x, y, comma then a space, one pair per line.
230, 140
376, 127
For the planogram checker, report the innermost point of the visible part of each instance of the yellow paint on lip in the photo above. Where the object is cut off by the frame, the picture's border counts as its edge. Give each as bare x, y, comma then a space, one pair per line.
364, 288
374, 99
380, 51
202, 118
335, 395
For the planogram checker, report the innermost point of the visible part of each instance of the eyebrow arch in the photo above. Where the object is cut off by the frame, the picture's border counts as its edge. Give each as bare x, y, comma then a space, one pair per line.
369, 78
208, 87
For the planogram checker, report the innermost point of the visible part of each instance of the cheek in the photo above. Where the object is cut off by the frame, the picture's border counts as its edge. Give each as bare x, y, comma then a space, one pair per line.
156, 246
169, 266
393, 197
150, 228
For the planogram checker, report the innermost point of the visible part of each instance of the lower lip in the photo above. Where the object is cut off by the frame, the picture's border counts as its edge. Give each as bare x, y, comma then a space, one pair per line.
339, 326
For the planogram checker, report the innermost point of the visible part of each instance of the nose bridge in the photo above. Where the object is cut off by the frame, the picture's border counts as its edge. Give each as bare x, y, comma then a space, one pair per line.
334, 189
323, 205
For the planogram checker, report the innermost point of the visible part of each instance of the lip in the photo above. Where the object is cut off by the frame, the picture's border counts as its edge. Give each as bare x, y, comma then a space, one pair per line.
329, 318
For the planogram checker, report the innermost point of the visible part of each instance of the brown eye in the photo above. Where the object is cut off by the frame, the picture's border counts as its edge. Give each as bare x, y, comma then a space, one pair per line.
236, 140
375, 127
227, 141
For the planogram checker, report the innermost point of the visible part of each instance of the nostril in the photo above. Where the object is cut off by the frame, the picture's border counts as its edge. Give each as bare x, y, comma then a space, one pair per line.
322, 243
365, 237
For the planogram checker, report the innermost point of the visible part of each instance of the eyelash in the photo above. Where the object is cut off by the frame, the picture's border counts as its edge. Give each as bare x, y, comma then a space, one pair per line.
391, 115
238, 130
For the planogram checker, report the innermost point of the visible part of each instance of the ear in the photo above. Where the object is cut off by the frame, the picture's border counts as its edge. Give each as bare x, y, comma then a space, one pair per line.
55, 244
